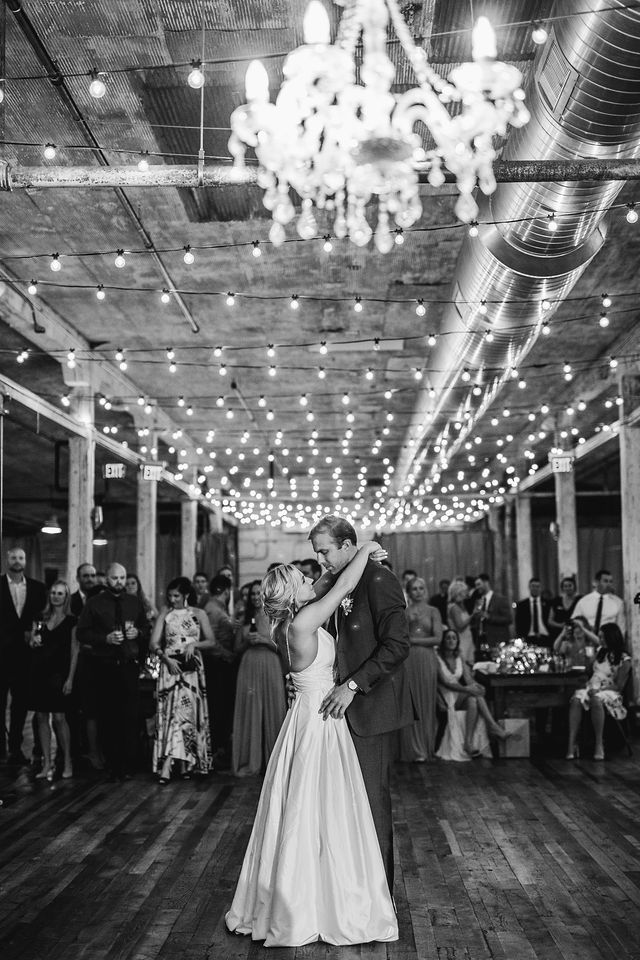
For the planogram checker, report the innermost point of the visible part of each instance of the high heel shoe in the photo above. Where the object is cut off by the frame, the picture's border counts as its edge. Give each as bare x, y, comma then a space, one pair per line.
573, 754
67, 773
599, 755
44, 775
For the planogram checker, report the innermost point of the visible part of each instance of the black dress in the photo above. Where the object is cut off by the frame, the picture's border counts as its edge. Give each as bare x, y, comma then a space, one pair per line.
50, 668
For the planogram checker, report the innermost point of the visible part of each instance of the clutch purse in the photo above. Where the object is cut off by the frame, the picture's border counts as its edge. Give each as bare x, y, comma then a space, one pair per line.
187, 664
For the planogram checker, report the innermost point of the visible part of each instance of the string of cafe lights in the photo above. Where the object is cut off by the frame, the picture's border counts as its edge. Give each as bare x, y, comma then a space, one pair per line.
551, 220
98, 79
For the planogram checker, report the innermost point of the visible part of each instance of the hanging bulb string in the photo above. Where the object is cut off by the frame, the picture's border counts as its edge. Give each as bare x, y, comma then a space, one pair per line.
239, 244
442, 34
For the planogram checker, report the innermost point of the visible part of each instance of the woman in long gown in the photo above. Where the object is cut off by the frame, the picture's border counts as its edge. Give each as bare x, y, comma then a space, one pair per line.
182, 717
459, 619
260, 704
313, 868
417, 742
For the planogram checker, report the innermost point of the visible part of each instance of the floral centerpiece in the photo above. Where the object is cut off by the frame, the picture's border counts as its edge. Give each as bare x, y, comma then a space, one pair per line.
518, 656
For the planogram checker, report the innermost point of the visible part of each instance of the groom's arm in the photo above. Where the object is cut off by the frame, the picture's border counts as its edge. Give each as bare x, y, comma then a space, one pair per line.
388, 611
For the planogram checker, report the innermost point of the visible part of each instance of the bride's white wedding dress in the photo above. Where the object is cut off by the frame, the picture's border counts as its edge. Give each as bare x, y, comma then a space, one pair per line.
313, 868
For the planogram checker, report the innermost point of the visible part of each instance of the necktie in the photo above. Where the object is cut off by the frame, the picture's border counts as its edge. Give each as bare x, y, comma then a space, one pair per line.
596, 625
535, 620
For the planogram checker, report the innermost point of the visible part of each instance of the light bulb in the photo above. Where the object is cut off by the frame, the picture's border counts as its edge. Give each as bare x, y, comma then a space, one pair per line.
421, 309
65, 400
294, 302
33, 288
606, 300
321, 373
632, 213
473, 229
97, 87
120, 260
257, 252
271, 350
50, 151
482, 308
604, 319
399, 237
539, 35
483, 41
488, 336
546, 329
143, 164
141, 401
165, 296
100, 294
188, 255
170, 353
327, 246
323, 348
369, 373
230, 299
172, 367
613, 363
466, 376
256, 83
552, 223
196, 77
272, 370
431, 340
316, 27
566, 367
55, 264
119, 354
222, 370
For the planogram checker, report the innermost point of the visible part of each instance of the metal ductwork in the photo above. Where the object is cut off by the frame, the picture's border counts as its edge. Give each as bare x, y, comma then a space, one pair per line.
584, 98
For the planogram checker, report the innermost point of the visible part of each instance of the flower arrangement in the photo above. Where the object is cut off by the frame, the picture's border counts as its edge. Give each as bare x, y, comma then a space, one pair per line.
517, 656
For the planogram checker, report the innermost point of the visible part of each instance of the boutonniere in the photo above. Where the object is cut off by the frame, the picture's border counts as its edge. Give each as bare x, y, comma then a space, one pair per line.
347, 605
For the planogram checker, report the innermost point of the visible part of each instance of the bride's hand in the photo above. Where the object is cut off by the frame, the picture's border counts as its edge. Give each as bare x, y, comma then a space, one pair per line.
376, 552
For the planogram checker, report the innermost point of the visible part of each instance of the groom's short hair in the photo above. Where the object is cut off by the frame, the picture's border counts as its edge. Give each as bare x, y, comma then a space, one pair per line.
338, 529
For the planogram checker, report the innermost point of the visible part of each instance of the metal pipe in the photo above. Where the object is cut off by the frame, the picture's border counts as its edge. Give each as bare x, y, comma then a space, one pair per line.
60, 85
223, 175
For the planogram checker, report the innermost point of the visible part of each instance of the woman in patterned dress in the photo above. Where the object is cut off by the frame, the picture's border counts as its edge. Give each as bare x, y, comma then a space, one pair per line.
182, 719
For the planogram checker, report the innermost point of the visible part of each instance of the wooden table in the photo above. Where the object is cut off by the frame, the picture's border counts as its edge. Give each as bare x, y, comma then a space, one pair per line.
526, 691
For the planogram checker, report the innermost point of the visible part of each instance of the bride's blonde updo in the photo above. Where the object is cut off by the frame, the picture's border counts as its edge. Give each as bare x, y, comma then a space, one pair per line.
278, 592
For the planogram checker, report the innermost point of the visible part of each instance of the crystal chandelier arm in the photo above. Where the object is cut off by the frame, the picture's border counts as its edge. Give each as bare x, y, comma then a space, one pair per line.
350, 25
417, 56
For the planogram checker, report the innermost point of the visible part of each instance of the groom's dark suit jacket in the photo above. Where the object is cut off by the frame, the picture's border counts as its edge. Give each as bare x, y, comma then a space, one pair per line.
373, 642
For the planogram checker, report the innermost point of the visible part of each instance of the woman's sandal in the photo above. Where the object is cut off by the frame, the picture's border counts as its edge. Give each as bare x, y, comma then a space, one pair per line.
573, 754
163, 781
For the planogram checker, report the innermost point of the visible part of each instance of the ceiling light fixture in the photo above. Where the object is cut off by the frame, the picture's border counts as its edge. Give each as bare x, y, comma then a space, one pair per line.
97, 87
51, 525
331, 138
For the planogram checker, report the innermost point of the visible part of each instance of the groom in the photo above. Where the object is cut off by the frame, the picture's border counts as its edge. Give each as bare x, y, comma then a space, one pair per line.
372, 641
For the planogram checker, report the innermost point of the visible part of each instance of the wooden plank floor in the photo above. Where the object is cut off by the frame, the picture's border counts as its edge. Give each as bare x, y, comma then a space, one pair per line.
512, 859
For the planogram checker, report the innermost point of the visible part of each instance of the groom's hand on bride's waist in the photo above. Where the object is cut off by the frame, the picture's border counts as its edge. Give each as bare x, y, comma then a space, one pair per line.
336, 702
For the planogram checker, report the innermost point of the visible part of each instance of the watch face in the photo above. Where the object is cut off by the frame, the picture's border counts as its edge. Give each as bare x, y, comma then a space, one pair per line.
352, 685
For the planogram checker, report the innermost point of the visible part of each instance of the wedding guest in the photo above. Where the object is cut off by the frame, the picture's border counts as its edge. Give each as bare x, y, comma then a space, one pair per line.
54, 655
468, 716
563, 606
601, 605
459, 619
576, 642
260, 705
417, 741
114, 629
311, 568
201, 588
22, 601
221, 670
101, 578
492, 616
603, 691
242, 602
532, 616
182, 720
407, 575
86, 579
440, 600
134, 589
226, 571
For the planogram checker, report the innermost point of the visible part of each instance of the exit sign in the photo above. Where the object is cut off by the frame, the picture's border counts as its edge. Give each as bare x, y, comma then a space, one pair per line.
151, 471
114, 471
561, 462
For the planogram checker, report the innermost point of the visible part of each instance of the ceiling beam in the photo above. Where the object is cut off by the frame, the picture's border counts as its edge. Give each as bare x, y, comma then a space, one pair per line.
224, 174
580, 452
15, 391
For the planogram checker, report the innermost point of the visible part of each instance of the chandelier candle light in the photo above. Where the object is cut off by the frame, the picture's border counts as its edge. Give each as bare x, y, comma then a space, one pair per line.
341, 144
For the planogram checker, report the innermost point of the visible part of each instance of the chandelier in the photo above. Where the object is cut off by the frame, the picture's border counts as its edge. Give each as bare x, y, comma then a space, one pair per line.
341, 144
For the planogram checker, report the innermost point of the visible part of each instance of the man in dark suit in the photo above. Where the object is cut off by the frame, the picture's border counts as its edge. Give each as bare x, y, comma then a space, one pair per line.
532, 616
86, 578
371, 689
22, 601
492, 616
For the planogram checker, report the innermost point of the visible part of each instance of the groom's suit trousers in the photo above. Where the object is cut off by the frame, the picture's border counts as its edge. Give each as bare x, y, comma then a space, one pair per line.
374, 754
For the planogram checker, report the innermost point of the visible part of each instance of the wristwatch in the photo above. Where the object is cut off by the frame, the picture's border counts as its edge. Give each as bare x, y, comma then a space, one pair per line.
353, 686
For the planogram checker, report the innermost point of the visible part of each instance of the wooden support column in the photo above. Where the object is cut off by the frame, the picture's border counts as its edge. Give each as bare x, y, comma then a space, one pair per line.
524, 542
146, 535
81, 491
630, 474
188, 537
494, 520
510, 584
565, 485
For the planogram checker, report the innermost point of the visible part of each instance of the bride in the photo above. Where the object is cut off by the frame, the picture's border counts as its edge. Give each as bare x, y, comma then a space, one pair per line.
313, 868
